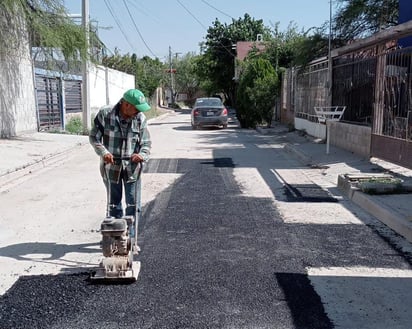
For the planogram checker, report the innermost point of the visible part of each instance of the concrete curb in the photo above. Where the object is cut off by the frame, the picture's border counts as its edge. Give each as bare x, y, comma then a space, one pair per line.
371, 205
387, 216
302, 156
14, 177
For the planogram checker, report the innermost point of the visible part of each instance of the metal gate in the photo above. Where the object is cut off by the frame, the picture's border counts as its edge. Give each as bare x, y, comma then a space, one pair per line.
392, 129
49, 105
73, 96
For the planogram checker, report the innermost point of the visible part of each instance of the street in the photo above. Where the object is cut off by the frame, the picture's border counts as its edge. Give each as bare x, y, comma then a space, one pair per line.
235, 233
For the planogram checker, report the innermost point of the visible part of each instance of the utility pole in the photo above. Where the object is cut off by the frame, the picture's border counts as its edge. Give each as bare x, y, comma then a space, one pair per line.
171, 76
330, 62
86, 117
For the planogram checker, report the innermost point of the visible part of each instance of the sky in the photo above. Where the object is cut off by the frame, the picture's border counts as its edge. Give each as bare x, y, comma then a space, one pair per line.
150, 27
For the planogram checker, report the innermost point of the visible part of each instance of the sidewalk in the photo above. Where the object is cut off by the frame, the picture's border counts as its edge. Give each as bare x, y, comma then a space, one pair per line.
33, 151
394, 210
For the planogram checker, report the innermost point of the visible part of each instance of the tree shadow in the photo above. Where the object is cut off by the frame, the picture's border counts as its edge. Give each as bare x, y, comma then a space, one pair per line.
14, 59
46, 252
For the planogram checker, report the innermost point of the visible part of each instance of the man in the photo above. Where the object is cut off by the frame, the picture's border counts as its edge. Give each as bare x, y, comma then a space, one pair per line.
121, 138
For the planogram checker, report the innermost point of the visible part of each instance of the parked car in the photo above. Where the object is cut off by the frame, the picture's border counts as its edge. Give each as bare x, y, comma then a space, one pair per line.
209, 111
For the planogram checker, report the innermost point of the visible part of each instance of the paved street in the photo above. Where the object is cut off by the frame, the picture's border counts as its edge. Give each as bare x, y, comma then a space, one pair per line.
236, 233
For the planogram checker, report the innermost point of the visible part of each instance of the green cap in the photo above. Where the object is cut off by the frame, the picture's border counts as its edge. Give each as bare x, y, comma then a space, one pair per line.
136, 98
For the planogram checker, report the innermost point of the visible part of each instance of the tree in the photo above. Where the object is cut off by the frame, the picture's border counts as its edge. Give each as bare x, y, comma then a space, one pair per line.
216, 66
149, 73
257, 92
361, 18
48, 25
23, 24
186, 79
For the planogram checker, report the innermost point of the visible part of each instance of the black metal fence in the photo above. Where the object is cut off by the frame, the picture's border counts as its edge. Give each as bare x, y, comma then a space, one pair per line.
363, 81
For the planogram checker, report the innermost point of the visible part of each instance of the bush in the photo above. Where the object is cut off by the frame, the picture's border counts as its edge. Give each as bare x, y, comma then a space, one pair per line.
257, 93
74, 126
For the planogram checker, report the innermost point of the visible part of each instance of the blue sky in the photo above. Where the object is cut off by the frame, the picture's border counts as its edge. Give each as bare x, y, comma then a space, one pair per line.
182, 24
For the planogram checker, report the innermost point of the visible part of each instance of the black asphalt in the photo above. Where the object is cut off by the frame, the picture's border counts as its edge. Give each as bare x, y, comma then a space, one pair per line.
211, 258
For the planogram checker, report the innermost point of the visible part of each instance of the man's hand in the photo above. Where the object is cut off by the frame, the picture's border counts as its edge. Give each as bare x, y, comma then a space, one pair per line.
108, 158
136, 158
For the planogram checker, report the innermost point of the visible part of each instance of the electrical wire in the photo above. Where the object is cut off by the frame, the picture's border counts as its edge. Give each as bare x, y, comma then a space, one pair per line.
207, 3
146, 11
118, 23
189, 12
137, 29
197, 20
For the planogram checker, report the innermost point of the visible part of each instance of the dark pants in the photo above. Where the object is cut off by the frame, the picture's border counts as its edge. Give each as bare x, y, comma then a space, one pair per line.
116, 195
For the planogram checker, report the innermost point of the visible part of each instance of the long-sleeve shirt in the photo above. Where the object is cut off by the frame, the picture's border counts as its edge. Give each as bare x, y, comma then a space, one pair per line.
111, 134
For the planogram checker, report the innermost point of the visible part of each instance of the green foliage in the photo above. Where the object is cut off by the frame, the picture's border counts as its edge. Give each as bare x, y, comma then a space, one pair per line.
186, 80
361, 18
257, 92
48, 25
216, 66
292, 47
149, 73
75, 125
309, 48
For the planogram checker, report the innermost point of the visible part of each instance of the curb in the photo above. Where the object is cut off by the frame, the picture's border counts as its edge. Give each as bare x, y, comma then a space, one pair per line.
12, 178
16, 175
302, 156
387, 216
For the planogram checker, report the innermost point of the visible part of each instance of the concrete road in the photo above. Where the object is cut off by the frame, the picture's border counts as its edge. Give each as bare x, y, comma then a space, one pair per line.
235, 234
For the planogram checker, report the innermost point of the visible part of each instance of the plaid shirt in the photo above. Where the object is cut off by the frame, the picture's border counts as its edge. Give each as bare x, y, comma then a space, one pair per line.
107, 136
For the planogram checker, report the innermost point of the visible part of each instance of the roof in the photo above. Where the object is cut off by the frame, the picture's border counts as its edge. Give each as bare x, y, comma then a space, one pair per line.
244, 47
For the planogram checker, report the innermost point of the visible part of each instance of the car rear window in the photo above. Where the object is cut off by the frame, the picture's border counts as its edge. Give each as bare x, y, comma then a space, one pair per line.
209, 102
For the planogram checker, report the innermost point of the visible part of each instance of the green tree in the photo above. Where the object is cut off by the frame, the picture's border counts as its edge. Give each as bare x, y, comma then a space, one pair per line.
216, 65
150, 74
186, 79
257, 92
48, 25
361, 18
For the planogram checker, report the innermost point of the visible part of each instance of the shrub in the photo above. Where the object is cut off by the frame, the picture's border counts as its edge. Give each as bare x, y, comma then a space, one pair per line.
75, 126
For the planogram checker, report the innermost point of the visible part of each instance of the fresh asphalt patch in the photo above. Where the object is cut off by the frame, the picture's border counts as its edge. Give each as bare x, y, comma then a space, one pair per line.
211, 257
307, 193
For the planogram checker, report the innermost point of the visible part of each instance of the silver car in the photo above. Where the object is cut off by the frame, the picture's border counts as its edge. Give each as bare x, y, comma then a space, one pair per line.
209, 111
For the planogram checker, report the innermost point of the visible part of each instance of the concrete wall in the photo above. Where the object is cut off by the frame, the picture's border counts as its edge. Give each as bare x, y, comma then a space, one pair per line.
107, 86
312, 128
17, 98
354, 138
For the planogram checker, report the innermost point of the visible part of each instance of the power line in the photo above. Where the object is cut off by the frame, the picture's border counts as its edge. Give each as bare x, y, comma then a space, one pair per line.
197, 20
118, 23
207, 3
138, 31
146, 11
188, 11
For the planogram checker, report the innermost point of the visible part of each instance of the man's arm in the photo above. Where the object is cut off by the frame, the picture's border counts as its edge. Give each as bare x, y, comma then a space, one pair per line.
145, 141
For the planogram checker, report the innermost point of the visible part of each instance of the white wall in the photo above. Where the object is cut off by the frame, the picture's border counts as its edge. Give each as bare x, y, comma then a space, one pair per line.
312, 128
107, 86
350, 137
17, 98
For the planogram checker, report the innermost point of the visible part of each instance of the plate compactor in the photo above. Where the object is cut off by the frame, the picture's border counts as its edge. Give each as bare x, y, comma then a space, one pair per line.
118, 243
